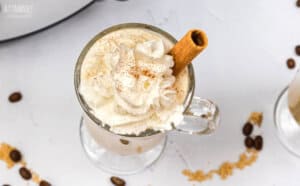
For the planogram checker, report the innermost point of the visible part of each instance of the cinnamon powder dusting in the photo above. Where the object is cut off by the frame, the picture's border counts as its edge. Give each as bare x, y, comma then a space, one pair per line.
148, 73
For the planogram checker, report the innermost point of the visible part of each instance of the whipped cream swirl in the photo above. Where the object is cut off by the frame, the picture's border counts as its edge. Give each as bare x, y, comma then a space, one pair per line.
129, 85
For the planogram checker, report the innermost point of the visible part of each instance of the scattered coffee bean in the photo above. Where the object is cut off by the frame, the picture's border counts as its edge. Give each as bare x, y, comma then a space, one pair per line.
15, 155
25, 173
44, 183
5, 185
247, 129
124, 142
258, 142
203, 116
291, 63
298, 3
15, 97
117, 181
297, 50
249, 142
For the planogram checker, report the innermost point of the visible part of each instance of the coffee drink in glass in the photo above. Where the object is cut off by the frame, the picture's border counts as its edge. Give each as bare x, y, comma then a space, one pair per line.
131, 99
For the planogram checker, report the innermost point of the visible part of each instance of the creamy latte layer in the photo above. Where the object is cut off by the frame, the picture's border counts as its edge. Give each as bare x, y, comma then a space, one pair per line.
127, 81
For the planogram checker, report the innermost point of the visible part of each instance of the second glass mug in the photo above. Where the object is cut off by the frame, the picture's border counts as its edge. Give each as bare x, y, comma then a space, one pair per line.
128, 154
287, 116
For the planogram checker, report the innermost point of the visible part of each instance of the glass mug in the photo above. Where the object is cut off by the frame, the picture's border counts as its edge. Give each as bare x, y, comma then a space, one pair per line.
287, 116
128, 154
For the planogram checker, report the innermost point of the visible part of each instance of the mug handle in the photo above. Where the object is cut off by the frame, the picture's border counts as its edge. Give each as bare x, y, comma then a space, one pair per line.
201, 117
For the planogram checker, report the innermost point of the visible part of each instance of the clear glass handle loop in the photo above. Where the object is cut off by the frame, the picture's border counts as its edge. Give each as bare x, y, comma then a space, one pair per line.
202, 117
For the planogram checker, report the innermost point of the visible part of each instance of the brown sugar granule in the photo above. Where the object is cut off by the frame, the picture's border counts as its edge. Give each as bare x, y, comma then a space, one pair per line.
256, 118
225, 170
36, 178
198, 175
23, 163
246, 159
5, 150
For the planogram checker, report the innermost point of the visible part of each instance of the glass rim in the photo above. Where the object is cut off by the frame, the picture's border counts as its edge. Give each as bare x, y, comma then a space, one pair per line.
77, 75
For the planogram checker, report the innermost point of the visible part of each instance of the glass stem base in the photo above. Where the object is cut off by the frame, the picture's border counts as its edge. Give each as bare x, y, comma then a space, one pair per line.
114, 163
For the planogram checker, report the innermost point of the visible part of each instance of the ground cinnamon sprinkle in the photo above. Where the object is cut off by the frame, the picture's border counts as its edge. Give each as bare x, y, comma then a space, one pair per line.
226, 169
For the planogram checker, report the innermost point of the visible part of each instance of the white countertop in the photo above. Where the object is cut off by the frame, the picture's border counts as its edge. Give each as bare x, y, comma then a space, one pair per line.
243, 70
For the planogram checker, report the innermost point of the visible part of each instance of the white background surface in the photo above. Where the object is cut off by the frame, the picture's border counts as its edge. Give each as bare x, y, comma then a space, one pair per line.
243, 70
20, 17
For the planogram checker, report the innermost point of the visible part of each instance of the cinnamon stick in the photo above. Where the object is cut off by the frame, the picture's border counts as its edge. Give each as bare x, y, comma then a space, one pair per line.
186, 49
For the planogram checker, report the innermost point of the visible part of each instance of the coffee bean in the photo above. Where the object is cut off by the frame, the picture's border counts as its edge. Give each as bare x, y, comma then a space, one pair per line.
15, 155
124, 142
247, 129
249, 142
297, 50
5, 185
44, 183
291, 63
203, 116
298, 3
15, 97
25, 173
117, 181
258, 142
